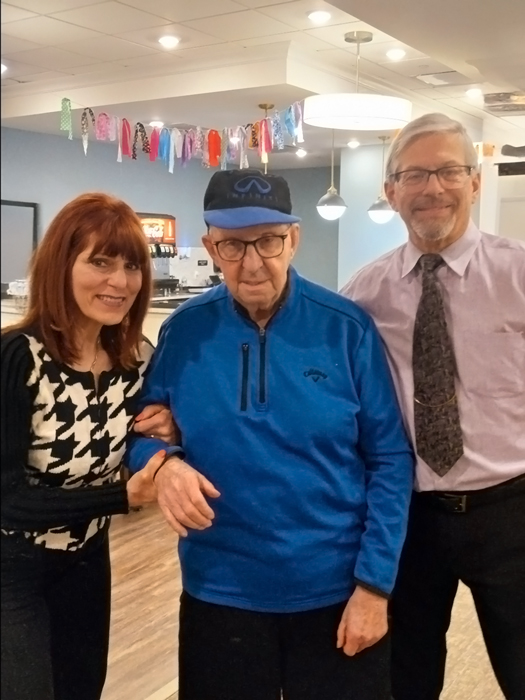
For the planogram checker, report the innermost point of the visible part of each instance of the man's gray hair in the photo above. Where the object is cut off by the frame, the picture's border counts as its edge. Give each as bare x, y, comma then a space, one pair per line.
435, 123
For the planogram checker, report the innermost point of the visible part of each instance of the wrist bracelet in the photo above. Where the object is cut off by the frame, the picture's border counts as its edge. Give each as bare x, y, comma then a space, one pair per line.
160, 467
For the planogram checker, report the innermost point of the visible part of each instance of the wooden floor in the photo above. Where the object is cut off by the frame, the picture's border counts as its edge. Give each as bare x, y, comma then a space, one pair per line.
146, 590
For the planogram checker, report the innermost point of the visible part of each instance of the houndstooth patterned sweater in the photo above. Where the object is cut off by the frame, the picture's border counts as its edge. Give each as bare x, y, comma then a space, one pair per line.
62, 444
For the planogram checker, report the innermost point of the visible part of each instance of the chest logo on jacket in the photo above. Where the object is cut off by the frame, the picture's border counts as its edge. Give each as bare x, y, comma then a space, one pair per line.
315, 374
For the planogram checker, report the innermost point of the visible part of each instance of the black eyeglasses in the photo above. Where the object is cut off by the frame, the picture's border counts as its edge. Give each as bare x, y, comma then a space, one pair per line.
451, 177
233, 249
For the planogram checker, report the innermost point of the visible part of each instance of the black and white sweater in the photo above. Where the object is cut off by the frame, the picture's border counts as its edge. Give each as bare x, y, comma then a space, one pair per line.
62, 444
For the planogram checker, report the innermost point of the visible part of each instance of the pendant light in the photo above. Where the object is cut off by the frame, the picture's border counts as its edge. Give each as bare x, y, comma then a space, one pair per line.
357, 111
380, 211
331, 206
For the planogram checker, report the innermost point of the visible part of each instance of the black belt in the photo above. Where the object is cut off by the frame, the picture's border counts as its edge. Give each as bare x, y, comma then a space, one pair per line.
456, 502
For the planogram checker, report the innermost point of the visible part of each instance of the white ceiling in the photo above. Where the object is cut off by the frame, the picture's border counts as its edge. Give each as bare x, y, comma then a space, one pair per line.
234, 54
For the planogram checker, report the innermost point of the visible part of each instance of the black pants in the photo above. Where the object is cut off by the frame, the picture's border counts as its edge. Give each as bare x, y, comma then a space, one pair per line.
231, 654
484, 548
55, 620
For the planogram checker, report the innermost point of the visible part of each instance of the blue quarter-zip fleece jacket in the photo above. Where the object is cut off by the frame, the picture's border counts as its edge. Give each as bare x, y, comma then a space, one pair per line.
299, 429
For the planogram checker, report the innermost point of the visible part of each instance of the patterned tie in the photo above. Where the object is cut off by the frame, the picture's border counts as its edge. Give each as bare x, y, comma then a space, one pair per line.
439, 440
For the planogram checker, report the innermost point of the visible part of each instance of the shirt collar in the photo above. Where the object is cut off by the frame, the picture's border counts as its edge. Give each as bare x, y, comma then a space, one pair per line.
457, 256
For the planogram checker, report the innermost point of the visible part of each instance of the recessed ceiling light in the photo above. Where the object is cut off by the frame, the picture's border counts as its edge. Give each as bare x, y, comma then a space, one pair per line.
300, 153
235, 140
396, 54
319, 16
169, 42
474, 92
4, 68
156, 125
353, 143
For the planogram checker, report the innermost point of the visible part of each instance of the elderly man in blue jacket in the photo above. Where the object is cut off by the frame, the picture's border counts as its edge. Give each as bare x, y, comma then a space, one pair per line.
291, 485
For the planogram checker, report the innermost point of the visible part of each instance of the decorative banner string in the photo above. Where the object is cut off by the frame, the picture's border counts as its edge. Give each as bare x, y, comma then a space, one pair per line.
213, 147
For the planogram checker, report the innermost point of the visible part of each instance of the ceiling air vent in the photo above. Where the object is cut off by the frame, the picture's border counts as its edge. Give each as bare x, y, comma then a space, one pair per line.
505, 102
449, 77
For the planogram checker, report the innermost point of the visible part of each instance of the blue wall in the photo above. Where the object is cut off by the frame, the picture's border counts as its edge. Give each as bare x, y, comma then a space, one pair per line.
51, 170
360, 239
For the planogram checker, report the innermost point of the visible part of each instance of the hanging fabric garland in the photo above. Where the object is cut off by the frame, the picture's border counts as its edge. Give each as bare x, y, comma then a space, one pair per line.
265, 143
243, 145
298, 112
213, 147
289, 122
277, 130
164, 145
102, 127
113, 128
140, 131
125, 139
199, 142
84, 125
66, 123
154, 144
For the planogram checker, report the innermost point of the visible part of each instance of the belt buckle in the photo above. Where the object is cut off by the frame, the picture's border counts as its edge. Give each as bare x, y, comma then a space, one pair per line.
455, 502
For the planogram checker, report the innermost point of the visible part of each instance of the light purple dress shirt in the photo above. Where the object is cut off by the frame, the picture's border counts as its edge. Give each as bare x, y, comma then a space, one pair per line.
483, 288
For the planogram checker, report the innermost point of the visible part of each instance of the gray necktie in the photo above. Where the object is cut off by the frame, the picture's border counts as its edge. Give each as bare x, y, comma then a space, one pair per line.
439, 440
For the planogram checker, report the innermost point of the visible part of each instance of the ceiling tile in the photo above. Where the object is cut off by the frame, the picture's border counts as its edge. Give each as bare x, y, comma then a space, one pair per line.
12, 14
336, 35
39, 77
376, 52
45, 7
153, 60
189, 38
296, 13
16, 69
111, 18
434, 93
45, 30
183, 10
10, 44
309, 42
107, 67
262, 3
107, 48
417, 66
53, 58
240, 25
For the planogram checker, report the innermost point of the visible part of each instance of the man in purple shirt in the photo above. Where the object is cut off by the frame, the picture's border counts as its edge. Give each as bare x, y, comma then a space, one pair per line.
450, 307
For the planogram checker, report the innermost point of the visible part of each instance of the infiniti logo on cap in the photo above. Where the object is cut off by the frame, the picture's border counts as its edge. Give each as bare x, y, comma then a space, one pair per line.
248, 184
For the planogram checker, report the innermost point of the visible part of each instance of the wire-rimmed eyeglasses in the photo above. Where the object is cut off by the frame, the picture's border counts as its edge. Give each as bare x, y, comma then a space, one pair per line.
451, 177
268, 246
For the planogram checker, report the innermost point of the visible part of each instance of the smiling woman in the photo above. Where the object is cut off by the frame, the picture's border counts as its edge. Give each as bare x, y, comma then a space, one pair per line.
70, 371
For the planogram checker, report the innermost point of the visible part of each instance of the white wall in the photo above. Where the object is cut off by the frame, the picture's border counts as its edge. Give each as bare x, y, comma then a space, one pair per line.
511, 214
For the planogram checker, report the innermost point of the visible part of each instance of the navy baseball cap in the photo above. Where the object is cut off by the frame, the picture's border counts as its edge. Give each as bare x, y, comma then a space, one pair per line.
240, 198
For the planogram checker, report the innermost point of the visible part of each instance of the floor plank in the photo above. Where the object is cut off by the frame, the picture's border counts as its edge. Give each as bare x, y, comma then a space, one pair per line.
145, 595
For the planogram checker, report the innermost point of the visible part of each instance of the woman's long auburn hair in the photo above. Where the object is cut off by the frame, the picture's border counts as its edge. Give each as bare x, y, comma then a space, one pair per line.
113, 229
